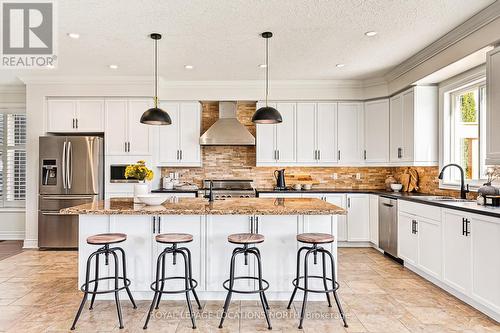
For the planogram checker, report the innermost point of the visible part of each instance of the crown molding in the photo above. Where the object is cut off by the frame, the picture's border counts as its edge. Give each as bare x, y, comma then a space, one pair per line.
12, 88
473, 24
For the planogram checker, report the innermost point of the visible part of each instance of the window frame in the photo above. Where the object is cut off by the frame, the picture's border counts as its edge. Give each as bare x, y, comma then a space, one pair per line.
453, 87
4, 203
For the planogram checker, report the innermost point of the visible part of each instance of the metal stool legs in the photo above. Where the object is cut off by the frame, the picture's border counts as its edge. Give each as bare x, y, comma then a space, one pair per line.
159, 285
263, 284
296, 282
106, 250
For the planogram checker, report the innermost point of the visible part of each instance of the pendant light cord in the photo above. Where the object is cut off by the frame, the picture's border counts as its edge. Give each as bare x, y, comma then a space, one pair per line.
156, 73
267, 69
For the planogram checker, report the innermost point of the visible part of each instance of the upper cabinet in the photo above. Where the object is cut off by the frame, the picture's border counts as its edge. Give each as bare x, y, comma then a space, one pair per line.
124, 133
376, 123
179, 143
414, 126
276, 142
493, 107
75, 115
350, 133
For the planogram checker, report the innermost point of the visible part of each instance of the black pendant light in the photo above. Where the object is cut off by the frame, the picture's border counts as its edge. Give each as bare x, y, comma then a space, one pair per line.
267, 114
155, 115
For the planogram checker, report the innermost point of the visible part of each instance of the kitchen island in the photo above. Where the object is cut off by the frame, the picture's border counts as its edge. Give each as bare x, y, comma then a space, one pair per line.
279, 220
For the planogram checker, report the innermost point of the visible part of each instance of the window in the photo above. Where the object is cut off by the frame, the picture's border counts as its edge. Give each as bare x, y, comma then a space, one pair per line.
467, 144
12, 159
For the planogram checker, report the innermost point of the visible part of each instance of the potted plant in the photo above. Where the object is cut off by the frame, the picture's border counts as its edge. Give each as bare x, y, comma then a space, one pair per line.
140, 172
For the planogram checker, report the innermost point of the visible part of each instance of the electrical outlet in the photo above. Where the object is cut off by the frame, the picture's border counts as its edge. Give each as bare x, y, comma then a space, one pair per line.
335, 176
358, 176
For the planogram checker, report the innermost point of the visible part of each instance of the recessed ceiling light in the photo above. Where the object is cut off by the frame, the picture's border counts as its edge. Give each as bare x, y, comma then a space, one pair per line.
73, 35
188, 66
340, 65
113, 66
262, 65
370, 33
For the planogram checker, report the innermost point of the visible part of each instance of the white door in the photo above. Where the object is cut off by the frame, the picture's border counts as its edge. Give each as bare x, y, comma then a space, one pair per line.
326, 133
306, 133
350, 126
115, 132
168, 144
61, 115
285, 133
137, 247
219, 250
377, 131
190, 224
485, 236
265, 141
278, 251
429, 246
408, 125
139, 135
457, 268
90, 115
407, 238
396, 128
358, 217
189, 115
340, 201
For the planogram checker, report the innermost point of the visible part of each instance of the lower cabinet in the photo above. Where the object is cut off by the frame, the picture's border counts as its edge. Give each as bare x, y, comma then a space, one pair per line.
358, 217
407, 238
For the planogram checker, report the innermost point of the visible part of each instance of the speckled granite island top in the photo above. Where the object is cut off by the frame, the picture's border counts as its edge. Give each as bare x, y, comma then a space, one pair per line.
199, 206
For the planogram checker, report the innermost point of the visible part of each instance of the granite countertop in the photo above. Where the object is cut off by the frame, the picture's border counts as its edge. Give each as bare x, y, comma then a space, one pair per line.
174, 190
199, 206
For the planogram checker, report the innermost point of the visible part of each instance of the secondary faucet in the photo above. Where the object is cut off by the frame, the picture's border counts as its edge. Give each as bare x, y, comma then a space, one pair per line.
463, 190
210, 195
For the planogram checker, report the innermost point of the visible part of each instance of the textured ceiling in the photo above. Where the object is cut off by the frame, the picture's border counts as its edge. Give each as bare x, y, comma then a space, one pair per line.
221, 37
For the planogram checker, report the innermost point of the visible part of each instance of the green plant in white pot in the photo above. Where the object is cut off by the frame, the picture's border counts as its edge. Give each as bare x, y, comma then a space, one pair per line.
142, 173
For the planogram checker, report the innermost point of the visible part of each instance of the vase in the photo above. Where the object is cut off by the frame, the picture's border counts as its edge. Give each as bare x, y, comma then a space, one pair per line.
140, 189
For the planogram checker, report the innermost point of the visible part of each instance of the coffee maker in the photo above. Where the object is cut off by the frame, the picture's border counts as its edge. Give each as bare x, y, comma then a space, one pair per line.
280, 179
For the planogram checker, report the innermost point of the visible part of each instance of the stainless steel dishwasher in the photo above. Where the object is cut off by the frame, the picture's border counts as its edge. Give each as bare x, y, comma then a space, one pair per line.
388, 225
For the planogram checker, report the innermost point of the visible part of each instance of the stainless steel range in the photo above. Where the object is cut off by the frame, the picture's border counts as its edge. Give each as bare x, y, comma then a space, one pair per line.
229, 188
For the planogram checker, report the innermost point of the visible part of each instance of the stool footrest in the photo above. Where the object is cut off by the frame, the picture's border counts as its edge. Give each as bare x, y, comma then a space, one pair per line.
126, 283
255, 291
296, 281
155, 288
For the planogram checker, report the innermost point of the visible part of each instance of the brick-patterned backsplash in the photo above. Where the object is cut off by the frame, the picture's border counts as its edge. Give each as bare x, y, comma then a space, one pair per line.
238, 162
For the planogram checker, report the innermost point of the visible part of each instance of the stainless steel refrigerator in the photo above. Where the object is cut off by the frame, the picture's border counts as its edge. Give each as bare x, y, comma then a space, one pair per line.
71, 173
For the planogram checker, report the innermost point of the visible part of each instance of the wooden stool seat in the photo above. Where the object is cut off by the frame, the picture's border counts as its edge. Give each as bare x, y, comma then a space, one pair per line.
246, 238
172, 238
103, 239
315, 238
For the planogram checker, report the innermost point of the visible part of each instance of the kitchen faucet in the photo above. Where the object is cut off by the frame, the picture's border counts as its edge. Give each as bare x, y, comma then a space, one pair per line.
463, 190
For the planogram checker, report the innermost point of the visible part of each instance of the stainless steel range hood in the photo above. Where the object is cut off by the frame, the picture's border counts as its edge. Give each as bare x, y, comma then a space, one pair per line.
227, 131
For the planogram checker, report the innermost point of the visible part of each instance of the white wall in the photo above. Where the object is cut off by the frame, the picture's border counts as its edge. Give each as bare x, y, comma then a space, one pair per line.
12, 220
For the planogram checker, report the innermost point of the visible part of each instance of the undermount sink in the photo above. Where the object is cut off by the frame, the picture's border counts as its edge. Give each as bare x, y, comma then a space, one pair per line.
442, 198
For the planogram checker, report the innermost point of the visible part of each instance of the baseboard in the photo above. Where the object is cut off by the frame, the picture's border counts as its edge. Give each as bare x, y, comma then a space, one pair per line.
30, 244
354, 244
16, 235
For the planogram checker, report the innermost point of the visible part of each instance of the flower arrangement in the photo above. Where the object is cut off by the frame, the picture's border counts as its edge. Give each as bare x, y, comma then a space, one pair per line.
139, 171
492, 173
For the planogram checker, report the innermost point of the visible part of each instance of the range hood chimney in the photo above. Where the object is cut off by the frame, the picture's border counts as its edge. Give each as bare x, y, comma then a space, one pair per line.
227, 131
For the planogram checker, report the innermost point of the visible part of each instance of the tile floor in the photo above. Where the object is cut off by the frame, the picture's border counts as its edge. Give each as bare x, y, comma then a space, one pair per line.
37, 294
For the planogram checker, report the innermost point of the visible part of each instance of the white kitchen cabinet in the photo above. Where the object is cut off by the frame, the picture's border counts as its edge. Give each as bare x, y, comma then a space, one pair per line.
179, 143
413, 126
374, 219
276, 142
493, 112
358, 217
219, 250
407, 238
340, 201
316, 133
456, 252
277, 251
124, 133
350, 132
75, 115
376, 135
429, 246
190, 224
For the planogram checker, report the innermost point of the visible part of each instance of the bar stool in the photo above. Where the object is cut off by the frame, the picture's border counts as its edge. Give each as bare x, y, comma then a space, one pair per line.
315, 239
189, 283
106, 240
246, 239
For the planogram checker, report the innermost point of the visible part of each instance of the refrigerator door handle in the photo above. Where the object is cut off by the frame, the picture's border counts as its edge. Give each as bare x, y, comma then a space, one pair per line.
64, 165
70, 166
